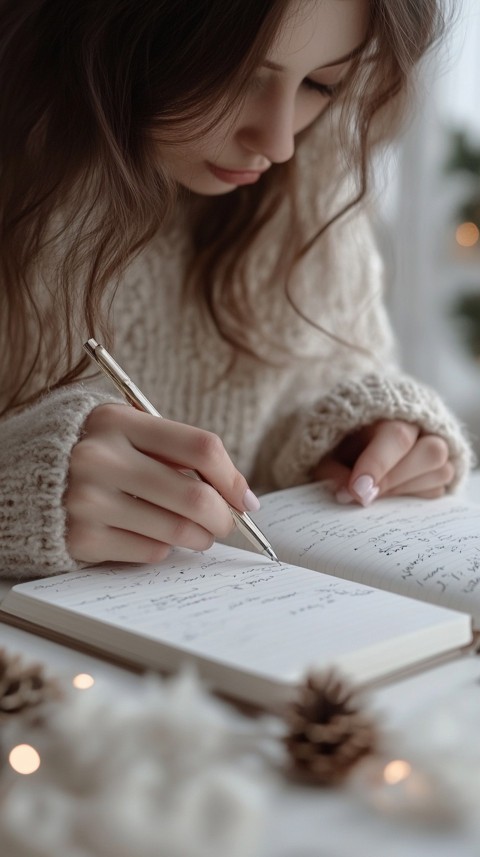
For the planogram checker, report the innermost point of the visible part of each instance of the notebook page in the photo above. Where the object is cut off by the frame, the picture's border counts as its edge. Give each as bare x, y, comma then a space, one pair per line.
231, 606
423, 549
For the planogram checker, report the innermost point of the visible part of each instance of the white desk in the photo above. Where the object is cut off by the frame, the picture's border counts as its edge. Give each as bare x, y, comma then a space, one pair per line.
306, 822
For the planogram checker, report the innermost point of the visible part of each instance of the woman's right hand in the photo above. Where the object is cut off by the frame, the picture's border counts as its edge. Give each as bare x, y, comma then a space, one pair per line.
127, 499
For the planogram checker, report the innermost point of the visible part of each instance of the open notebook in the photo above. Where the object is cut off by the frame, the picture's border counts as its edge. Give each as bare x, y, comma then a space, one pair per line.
428, 550
254, 628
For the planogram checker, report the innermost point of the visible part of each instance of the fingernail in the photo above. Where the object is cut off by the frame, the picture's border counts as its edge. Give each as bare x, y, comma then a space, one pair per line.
343, 497
366, 489
250, 501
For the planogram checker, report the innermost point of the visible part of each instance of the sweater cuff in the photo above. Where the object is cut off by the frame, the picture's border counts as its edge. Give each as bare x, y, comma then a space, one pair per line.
318, 429
35, 448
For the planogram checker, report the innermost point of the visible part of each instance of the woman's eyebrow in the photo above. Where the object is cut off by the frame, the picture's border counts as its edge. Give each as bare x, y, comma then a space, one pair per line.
276, 67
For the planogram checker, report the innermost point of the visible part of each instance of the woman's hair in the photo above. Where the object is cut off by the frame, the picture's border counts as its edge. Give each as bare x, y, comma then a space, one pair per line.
86, 86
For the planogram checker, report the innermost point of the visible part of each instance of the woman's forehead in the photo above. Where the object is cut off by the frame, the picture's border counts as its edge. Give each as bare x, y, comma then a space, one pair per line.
319, 33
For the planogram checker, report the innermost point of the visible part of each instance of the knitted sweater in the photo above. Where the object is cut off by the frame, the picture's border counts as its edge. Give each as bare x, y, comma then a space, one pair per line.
276, 419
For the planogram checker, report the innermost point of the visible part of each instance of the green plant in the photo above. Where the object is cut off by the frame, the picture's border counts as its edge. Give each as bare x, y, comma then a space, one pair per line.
464, 157
466, 309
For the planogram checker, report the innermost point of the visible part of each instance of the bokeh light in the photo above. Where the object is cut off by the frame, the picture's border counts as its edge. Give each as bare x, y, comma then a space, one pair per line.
24, 759
83, 681
396, 771
467, 234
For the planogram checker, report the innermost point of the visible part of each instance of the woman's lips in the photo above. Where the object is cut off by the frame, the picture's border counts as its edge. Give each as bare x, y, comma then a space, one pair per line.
235, 177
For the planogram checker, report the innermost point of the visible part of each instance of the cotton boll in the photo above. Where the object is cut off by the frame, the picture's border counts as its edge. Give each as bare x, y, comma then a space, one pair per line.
36, 822
167, 771
223, 813
448, 735
182, 716
74, 750
118, 824
214, 811
419, 778
212, 815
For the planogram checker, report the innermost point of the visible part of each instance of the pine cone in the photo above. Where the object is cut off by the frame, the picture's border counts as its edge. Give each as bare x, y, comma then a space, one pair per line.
22, 687
328, 733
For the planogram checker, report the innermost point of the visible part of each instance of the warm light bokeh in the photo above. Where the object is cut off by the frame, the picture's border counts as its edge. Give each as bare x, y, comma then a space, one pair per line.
396, 771
24, 759
83, 681
467, 234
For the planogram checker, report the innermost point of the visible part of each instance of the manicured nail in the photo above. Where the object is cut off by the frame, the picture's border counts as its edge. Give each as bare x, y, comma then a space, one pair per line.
343, 497
250, 501
366, 489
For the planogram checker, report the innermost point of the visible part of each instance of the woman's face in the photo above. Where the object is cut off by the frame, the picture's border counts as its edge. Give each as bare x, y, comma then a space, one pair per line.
292, 87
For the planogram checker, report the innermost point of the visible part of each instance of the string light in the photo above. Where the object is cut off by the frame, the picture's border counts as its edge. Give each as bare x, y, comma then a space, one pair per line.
396, 771
24, 759
83, 681
397, 788
467, 234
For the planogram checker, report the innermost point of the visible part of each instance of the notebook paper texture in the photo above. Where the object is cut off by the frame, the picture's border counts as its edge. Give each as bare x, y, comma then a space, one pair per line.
233, 609
425, 550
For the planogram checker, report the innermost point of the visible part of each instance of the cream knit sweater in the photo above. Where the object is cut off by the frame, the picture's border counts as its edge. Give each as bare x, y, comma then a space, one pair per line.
276, 421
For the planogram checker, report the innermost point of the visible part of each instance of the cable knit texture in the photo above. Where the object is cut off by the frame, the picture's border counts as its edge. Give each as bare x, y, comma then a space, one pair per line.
35, 452
349, 406
276, 420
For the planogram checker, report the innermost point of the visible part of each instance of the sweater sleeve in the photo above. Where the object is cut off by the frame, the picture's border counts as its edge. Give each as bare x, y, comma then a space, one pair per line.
361, 383
35, 448
315, 430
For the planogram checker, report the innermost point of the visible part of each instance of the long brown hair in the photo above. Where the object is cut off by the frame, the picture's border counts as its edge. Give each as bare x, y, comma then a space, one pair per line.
84, 86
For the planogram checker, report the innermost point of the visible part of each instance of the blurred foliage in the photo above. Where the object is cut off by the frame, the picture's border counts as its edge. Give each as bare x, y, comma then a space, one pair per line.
464, 157
466, 309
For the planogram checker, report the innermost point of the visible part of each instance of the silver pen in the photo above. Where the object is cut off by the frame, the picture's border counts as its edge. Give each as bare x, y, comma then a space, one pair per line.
136, 398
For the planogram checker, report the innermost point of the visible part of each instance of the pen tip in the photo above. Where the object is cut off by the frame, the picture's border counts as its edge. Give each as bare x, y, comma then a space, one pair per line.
270, 553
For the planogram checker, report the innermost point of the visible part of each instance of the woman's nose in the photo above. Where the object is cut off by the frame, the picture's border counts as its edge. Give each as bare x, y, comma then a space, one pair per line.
270, 131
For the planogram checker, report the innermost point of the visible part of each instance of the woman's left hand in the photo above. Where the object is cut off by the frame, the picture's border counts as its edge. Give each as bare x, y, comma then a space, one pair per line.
388, 458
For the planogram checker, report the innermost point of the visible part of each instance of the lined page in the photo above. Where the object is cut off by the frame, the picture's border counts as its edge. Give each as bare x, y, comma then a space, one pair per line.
428, 550
234, 607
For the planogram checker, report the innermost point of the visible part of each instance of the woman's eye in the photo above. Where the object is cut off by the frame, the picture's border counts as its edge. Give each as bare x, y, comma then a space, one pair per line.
327, 90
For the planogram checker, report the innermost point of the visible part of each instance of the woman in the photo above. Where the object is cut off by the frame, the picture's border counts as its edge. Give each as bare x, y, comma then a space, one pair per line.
193, 178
